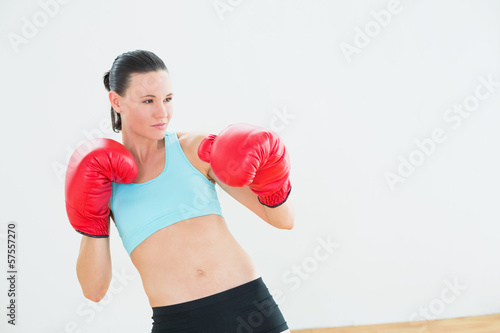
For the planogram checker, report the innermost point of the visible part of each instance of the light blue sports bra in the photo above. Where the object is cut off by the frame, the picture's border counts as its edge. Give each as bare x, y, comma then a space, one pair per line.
180, 192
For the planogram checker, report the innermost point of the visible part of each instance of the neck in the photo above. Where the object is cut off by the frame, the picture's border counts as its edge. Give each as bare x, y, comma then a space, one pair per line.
143, 149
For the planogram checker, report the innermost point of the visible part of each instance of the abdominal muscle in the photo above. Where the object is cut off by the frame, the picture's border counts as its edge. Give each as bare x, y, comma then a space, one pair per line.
191, 259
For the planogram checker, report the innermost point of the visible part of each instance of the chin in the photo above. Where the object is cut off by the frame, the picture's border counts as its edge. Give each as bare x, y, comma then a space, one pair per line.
160, 134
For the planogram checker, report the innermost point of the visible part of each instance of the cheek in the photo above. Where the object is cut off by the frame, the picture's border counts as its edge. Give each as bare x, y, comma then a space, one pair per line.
137, 115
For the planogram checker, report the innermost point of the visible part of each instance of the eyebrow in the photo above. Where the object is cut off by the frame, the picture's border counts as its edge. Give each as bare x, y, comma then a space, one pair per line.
171, 94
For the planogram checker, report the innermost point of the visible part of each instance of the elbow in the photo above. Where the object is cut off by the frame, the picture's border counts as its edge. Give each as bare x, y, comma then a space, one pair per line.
290, 219
95, 289
282, 217
93, 298
287, 224
95, 295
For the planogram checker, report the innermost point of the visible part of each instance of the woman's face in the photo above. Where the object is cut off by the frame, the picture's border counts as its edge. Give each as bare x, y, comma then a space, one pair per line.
147, 107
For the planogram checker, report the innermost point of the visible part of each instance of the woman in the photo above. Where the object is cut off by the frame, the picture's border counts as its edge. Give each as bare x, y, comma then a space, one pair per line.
163, 201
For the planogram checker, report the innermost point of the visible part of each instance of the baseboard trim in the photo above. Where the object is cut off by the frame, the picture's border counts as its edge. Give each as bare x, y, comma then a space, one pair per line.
478, 324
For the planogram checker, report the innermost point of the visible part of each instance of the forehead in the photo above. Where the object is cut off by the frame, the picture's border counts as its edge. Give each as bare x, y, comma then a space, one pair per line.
150, 83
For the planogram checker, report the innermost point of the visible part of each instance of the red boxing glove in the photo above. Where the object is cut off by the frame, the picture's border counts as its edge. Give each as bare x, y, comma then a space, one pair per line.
244, 154
88, 183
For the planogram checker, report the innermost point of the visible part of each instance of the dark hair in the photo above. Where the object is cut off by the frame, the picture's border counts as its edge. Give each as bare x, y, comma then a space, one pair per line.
118, 77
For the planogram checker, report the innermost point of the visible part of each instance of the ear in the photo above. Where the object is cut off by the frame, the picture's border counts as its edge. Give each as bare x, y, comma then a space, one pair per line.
114, 98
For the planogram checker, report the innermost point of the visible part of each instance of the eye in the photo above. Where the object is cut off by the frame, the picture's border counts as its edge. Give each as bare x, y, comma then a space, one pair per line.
148, 101
168, 99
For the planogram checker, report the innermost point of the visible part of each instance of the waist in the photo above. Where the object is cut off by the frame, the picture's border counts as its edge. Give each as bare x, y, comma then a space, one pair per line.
192, 259
241, 290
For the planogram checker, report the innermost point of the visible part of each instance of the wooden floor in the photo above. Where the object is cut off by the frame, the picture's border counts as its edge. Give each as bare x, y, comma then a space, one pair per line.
481, 324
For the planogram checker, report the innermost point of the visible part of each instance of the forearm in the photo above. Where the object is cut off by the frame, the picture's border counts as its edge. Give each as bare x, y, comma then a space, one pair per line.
282, 217
93, 267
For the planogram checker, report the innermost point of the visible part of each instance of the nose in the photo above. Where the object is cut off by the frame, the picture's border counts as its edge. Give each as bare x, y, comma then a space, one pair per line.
161, 111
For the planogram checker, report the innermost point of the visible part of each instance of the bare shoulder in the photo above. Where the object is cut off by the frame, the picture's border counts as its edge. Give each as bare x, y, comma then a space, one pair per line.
190, 141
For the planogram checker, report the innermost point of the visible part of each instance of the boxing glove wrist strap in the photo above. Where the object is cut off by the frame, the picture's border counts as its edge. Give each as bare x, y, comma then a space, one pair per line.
93, 236
277, 198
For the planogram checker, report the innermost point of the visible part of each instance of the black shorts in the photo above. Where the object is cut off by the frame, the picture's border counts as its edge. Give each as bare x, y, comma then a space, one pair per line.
248, 308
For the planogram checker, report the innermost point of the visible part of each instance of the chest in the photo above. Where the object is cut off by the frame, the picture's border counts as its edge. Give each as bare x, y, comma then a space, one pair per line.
152, 169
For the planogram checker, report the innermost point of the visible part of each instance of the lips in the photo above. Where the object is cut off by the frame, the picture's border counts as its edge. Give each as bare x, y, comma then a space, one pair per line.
159, 125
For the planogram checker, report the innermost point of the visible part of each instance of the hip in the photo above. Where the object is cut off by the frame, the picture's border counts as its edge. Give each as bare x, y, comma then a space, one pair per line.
248, 307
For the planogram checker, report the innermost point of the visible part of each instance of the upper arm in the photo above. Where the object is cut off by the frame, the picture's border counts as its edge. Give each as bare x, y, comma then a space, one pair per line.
110, 215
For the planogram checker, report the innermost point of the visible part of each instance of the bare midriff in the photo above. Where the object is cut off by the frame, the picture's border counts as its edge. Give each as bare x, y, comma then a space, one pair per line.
191, 259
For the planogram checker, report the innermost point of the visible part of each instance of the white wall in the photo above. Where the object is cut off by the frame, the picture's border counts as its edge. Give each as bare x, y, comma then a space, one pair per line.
348, 121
